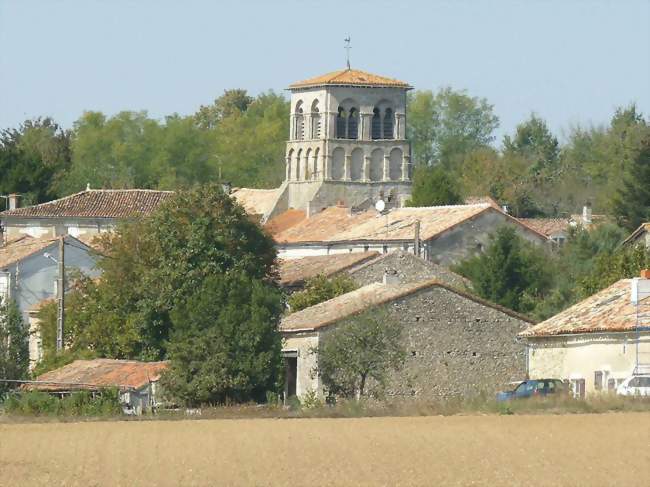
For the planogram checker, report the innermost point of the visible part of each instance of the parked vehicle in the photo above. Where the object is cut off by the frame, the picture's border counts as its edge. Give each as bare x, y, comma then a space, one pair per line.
533, 388
637, 385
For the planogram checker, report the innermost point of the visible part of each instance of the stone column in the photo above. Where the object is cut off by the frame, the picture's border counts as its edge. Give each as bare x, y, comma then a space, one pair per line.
327, 167
292, 127
365, 120
330, 130
305, 167
386, 167
406, 162
307, 122
400, 126
366, 169
346, 167
288, 168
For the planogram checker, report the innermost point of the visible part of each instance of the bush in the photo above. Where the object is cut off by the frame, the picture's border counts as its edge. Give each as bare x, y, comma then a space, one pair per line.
81, 403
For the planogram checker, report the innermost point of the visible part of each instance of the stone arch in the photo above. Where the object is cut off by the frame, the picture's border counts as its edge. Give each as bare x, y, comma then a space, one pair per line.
389, 123
315, 120
376, 165
338, 163
341, 123
353, 124
318, 164
299, 117
356, 165
375, 126
307, 173
298, 168
395, 164
290, 169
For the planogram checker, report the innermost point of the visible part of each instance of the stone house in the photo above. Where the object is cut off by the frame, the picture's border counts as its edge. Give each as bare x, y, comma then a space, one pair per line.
444, 235
87, 213
640, 236
137, 382
596, 343
457, 344
558, 229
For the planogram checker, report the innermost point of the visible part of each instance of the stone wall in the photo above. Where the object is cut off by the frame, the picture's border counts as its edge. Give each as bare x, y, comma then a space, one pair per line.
455, 346
409, 269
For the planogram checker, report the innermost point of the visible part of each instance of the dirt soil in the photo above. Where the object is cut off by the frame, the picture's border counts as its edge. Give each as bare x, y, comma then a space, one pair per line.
541, 450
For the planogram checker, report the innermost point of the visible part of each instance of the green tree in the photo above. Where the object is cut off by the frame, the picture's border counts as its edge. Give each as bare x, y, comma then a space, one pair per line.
608, 268
448, 125
231, 103
434, 186
225, 345
14, 346
534, 141
33, 158
511, 272
319, 289
359, 353
164, 258
632, 202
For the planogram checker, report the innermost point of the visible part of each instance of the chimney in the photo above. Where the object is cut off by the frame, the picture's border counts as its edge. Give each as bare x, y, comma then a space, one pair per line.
640, 287
505, 209
390, 277
14, 201
586, 213
645, 274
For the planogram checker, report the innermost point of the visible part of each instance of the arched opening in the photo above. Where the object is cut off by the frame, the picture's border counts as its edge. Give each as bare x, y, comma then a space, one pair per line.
315, 120
341, 124
376, 124
298, 164
388, 124
338, 163
290, 168
395, 164
318, 169
356, 165
299, 129
353, 124
376, 165
309, 173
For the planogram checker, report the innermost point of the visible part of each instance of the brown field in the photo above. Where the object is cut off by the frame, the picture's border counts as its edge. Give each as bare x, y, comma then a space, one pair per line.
573, 450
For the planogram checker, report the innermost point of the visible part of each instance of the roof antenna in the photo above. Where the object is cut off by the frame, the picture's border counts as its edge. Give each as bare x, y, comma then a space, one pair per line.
347, 49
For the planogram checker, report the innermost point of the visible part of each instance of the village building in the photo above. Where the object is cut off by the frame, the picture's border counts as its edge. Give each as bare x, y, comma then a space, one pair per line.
558, 229
88, 212
444, 235
137, 382
594, 344
640, 236
456, 344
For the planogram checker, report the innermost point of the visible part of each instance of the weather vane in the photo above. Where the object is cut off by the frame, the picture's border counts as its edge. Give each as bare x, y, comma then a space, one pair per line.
347, 49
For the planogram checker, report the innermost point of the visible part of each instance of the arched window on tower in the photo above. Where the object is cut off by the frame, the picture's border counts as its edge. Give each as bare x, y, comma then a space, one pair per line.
315, 120
341, 124
300, 122
353, 124
388, 124
376, 124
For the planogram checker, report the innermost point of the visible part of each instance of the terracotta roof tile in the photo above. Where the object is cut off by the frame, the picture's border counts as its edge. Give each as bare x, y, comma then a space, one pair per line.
255, 201
350, 77
284, 221
98, 373
609, 310
23, 247
96, 203
547, 226
294, 272
357, 301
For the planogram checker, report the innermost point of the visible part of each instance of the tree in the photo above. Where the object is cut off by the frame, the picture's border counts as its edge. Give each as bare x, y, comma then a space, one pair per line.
232, 102
510, 272
446, 126
33, 158
225, 345
164, 258
14, 346
434, 186
319, 289
366, 348
534, 141
632, 201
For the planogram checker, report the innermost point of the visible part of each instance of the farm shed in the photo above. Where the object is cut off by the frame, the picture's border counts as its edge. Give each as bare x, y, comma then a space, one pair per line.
136, 381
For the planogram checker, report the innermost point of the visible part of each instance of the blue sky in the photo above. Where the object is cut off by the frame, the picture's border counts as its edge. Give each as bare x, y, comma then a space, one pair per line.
572, 62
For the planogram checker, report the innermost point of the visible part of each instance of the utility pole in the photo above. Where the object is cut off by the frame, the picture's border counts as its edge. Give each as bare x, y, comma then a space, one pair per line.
60, 295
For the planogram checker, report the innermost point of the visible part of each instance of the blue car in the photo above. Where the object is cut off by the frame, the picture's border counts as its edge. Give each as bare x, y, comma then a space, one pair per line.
534, 388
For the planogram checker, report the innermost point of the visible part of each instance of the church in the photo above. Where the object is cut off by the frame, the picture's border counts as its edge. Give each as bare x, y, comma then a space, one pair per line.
347, 147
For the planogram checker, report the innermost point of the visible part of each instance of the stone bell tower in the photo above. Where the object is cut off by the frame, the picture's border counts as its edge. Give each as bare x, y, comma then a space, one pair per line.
347, 142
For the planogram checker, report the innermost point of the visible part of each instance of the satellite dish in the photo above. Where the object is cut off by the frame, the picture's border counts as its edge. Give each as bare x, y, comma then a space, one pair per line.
380, 206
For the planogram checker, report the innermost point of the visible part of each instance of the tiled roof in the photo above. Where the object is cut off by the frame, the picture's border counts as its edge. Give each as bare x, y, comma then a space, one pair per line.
255, 201
284, 221
96, 203
475, 200
643, 228
98, 373
336, 224
23, 247
357, 301
294, 272
609, 310
547, 226
351, 77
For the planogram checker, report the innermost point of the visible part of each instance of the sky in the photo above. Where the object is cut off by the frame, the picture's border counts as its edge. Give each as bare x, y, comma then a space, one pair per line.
571, 62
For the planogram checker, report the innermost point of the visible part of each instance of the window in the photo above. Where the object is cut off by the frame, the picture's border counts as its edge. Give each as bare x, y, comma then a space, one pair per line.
299, 129
315, 120
598, 380
341, 124
578, 388
388, 124
385, 249
353, 124
376, 124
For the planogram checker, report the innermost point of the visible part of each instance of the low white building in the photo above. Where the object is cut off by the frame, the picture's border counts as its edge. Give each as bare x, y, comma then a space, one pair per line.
594, 344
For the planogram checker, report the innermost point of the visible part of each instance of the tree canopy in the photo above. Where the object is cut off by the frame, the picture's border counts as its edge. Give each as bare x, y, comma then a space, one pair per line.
14, 348
319, 289
434, 186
